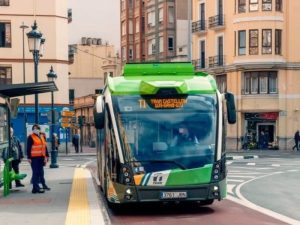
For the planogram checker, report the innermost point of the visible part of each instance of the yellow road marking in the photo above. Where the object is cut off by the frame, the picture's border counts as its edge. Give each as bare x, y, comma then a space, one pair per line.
79, 210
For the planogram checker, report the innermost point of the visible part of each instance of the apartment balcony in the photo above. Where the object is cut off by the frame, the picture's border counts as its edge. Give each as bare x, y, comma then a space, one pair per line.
216, 22
199, 27
199, 64
216, 61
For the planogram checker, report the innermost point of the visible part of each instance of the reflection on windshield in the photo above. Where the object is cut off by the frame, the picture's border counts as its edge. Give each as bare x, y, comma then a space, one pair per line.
172, 138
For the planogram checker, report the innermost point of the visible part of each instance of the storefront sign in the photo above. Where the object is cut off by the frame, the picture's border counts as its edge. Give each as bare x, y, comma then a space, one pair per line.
261, 116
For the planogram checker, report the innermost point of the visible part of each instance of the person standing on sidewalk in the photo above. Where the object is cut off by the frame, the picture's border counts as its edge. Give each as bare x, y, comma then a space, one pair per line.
38, 156
75, 142
296, 139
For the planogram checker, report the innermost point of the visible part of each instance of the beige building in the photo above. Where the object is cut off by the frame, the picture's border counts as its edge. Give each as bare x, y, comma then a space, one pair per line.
152, 30
52, 21
252, 48
90, 63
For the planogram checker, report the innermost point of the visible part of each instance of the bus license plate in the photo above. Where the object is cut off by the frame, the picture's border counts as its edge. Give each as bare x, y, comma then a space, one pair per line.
173, 195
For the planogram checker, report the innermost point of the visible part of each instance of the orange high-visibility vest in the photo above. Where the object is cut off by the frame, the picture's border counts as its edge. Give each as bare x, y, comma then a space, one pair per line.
38, 148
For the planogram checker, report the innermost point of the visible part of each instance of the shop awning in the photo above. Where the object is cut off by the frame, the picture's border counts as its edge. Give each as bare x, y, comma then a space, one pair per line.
14, 90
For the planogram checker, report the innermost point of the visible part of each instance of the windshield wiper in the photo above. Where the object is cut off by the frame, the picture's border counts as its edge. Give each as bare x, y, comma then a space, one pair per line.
162, 161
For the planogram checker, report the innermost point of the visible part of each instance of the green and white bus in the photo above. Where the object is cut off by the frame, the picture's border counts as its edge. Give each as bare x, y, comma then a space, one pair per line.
161, 135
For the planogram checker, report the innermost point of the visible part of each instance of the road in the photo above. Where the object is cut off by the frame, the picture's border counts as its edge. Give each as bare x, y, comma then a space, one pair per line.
263, 191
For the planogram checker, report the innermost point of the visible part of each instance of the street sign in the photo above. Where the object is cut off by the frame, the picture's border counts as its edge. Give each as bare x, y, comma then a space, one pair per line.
68, 113
65, 125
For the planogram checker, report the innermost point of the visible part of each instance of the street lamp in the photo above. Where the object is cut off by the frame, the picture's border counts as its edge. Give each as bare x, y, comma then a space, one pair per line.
35, 43
51, 77
23, 27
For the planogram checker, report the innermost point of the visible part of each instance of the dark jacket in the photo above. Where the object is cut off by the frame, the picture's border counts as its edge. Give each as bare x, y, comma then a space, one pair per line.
16, 150
29, 145
297, 137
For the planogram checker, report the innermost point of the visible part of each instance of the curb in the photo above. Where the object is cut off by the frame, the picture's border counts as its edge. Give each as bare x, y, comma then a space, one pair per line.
237, 157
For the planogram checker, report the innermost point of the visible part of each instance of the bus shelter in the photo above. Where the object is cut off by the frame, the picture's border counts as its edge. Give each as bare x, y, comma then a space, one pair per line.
6, 93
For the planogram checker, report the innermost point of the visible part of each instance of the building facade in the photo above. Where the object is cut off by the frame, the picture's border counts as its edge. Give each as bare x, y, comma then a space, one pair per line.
150, 30
251, 47
90, 63
52, 21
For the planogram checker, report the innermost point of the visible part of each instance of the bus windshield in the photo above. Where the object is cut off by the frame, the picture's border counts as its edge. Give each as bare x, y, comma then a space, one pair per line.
162, 133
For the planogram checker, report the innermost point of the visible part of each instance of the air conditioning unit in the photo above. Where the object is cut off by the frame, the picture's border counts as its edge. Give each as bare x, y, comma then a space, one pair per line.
83, 40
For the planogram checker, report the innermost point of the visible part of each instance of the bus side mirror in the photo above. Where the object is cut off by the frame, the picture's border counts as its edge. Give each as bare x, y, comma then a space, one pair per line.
99, 112
230, 105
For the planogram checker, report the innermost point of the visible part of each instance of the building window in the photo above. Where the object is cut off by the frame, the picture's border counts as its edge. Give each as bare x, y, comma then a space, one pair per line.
171, 13
242, 6
123, 28
253, 5
98, 91
222, 83
130, 4
5, 75
278, 41
267, 5
130, 53
262, 82
253, 42
242, 42
161, 15
151, 19
161, 44
4, 2
130, 26
278, 5
122, 5
5, 35
151, 47
71, 96
123, 52
137, 51
267, 41
171, 44
137, 25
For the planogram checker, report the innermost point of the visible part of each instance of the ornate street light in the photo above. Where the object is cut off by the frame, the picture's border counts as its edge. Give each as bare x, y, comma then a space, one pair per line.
52, 77
35, 41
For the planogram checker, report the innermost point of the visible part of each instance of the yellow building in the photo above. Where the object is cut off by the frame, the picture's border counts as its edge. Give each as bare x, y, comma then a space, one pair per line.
91, 62
252, 48
52, 21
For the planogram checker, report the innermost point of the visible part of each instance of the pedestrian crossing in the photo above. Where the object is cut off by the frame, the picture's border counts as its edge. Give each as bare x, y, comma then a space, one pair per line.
242, 171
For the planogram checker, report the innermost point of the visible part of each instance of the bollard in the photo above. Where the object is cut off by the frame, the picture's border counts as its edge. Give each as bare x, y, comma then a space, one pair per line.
9, 175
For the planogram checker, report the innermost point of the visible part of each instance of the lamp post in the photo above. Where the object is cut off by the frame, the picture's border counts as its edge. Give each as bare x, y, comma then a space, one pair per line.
23, 27
51, 77
35, 43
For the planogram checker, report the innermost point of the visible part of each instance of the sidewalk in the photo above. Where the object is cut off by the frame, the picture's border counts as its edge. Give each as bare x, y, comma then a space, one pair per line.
72, 199
247, 154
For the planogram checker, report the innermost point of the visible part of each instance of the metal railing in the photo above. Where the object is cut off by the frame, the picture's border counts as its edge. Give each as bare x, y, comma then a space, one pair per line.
199, 64
216, 21
199, 26
216, 61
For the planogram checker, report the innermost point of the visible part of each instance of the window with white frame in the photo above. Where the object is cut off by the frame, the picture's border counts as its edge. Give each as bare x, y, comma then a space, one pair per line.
253, 5
171, 14
161, 44
260, 82
151, 18
137, 25
267, 5
123, 28
267, 41
151, 47
161, 15
130, 27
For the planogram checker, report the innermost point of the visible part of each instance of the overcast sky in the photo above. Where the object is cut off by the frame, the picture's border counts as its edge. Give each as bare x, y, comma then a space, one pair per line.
96, 19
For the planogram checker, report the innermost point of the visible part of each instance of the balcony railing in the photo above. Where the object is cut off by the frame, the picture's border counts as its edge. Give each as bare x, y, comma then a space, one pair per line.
199, 64
216, 21
216, 61
199, 26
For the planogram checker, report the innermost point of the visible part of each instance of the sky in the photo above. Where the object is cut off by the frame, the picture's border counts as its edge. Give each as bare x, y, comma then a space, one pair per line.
96, 19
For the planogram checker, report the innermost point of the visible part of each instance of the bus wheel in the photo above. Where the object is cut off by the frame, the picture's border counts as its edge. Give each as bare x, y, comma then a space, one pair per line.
207, 202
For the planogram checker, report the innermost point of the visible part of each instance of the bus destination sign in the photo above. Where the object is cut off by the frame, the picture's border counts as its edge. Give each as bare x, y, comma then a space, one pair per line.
163, 103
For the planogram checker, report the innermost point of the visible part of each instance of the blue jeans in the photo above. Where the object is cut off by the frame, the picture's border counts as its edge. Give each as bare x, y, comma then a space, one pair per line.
37, 166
